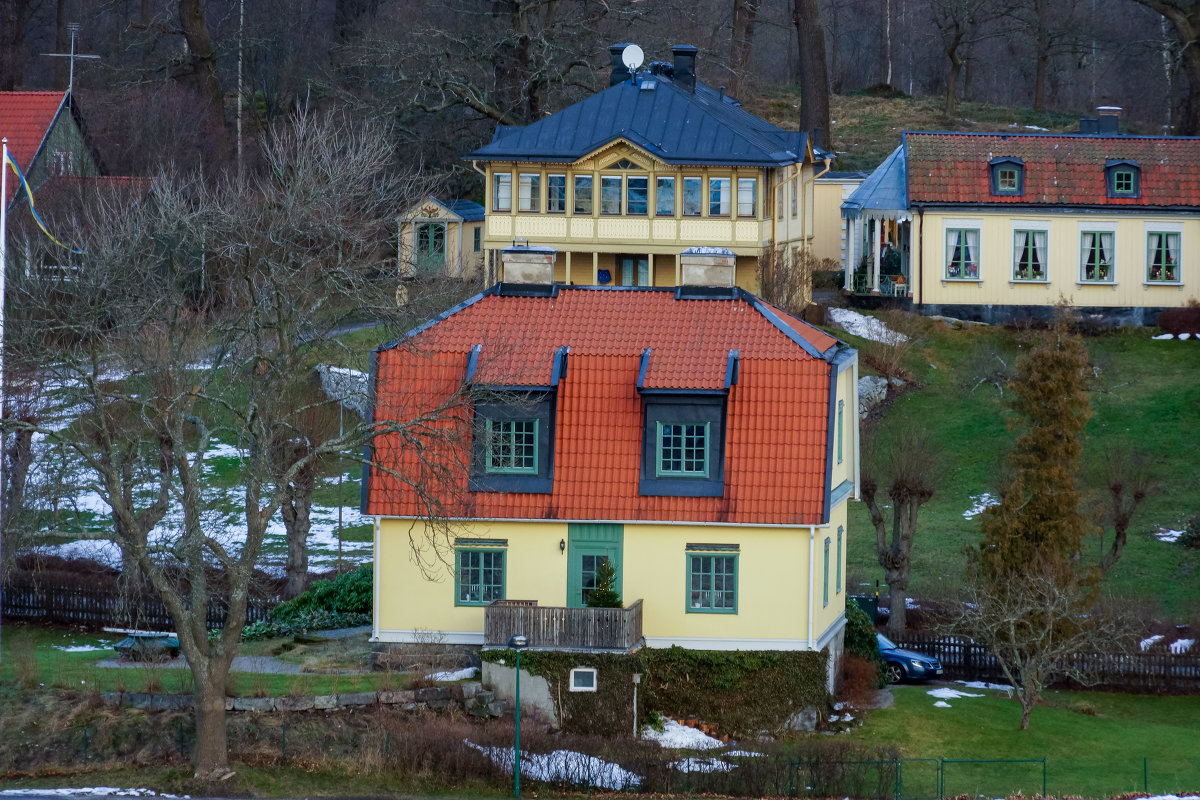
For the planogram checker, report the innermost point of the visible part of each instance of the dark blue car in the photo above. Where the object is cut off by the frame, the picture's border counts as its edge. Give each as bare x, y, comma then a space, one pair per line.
902, 664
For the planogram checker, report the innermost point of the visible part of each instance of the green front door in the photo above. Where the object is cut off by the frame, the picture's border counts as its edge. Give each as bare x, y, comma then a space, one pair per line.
589, 546
430, 252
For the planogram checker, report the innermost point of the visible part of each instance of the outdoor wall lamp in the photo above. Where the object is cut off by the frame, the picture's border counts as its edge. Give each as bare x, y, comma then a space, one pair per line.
562, 545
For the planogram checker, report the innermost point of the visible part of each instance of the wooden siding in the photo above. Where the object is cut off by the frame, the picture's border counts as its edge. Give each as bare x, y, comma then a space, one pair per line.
558, 628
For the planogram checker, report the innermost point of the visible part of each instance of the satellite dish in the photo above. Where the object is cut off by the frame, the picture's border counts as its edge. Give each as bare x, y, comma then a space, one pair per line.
632, 56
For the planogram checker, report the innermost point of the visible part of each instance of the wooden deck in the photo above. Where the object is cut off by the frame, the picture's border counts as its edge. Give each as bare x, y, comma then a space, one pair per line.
557, 628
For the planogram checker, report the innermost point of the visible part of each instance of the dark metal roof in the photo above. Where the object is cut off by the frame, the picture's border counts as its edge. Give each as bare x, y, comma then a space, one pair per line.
668, 121
468, 210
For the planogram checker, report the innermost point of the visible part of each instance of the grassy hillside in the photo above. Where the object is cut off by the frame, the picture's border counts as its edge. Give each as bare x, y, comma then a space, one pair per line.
1146, 396
866, 127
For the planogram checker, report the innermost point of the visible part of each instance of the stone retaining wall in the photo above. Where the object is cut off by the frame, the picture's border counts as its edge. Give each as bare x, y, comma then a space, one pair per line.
471, 697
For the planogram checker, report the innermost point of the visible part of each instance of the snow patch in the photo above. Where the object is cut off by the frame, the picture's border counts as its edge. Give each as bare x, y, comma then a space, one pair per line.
941, 704
86, 791
946, 693
979, 504
1149, 642
82, 648
1167, 535
563, 766
1181, 646
743, 754
702, 765
1162, 336
454, 675
1000, 687
675, 735
865, 327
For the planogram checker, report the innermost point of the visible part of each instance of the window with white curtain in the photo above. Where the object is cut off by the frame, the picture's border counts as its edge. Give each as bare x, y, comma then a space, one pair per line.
1096, 255
718, 197
1162, 257
529, 191
962, 254
1029, 255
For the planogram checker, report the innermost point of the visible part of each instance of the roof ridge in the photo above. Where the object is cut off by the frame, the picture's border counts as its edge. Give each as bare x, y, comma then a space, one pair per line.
442, 317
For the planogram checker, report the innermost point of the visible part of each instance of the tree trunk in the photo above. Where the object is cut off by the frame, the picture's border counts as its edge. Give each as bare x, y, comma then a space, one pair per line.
297, 521
1189, 119
745, 14
211, 755
201, 73
814, 71
1026, 709
1185, 19
898, 596
950, 106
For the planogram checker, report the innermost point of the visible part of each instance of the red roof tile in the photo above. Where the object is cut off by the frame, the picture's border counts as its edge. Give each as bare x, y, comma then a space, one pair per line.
777, 413
1060, 169
25, 118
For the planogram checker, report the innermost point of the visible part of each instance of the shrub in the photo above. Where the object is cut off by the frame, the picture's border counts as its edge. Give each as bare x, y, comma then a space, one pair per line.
1191, 534
861, 641
349, 593
1181, 320
859, 679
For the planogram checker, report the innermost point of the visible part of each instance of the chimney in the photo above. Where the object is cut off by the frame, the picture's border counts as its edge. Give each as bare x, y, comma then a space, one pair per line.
708, 266
685, 66
1109, 119
1089, 125
525, 264
620, 72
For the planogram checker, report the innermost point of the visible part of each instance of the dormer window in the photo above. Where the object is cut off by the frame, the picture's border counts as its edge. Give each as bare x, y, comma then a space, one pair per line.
1124, 178
1007, 176
513, 445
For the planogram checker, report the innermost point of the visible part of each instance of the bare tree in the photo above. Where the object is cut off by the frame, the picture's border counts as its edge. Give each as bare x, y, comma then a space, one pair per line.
193, 318
814, 68
908, 466
1184, 17
962, 24
741, 45
785, 277
1129, 479
1039, 629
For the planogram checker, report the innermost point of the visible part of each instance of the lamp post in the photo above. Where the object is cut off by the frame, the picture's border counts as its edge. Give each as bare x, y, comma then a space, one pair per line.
637, 678
517, 642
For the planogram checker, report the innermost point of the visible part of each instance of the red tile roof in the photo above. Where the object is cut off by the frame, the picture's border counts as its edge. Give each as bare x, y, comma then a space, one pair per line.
1060, 169
25, 118
776, 422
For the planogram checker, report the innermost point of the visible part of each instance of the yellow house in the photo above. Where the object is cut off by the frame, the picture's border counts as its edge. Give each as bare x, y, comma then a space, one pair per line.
443, 238
698, 439
831, 232
622, 182
999, 226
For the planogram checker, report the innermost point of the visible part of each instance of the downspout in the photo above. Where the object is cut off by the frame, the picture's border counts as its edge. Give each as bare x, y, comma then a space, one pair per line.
812, 576
857, 432
375, 586
919, 297
475, 166
809, 210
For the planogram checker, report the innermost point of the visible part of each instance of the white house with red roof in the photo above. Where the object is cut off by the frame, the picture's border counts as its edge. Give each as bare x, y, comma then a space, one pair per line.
1000, 226
700, 440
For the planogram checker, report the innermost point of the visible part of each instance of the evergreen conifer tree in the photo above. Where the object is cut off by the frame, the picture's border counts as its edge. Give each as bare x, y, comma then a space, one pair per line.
605, 594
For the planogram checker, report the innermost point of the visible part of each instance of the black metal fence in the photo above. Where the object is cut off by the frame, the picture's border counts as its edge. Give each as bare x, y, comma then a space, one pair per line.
90, 607
1154, 671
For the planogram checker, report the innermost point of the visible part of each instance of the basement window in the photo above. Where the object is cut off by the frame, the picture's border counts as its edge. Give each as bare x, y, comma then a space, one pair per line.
584, 679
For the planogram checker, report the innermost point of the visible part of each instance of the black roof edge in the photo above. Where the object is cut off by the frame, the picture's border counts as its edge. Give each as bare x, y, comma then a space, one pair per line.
527, 289
689, 292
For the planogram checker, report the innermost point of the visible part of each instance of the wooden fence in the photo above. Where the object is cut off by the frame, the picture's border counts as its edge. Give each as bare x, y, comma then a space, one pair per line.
1155, 671
38, 601
556, 627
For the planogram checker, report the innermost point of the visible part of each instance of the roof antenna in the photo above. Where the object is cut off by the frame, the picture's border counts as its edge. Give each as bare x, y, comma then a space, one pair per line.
73, 27
632, 57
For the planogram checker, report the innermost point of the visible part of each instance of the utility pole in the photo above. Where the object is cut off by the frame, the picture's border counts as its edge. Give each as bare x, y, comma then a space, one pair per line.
73, 27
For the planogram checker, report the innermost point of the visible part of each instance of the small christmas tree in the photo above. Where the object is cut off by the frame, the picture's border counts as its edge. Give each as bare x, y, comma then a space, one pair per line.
605, 594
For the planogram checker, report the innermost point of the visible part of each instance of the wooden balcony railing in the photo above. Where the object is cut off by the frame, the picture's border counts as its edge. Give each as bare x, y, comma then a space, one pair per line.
557, 628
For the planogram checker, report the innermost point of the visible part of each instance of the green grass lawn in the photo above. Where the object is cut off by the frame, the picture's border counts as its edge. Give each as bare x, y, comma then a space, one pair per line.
1094, 743
1147, 396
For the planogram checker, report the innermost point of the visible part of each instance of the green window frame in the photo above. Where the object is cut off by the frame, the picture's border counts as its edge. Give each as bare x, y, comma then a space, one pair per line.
478, 238
1124, 181
837, 586
682, 449
962, 254
479, 576
556, 194
1096, 253
792, 182
664, 196
840, 415
712, 580
511, 447
825, 591
1008, 179
583, 194
1162, 257
1030, 255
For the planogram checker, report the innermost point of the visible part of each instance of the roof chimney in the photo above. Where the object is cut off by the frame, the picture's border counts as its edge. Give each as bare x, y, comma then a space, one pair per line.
620, 72
685, 66
525, 264
708, 266
1109, 119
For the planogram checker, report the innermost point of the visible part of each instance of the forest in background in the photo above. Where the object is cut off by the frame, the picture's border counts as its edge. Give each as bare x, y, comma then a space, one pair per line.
165, 90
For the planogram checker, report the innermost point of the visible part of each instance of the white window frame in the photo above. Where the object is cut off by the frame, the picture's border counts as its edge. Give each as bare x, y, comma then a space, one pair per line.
529, 192
1085, 229
1149, 228
595, 674
747, 197
1020, 228
951, 224
502, 191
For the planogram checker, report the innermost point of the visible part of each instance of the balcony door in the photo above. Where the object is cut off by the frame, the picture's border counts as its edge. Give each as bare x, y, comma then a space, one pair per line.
589, 545
633, 270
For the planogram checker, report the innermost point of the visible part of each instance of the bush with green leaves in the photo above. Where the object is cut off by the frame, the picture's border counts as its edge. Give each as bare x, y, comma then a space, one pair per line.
340, 603
1191, 534
860, 638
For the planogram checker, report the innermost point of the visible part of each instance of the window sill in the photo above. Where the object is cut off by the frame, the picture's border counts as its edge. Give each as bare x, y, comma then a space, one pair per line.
978, 281
729, 611
1176, 284
1033, 281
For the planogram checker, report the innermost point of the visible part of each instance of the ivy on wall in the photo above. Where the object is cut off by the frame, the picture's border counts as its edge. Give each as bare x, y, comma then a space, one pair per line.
742, 692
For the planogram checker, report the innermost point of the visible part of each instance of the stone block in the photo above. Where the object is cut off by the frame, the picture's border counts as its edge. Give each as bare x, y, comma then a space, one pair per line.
139, 700
294, 703
497, 708
256, 704
357, 699
470, 689
399, 696
437, 705
324, 702
173, 702
803, 720
229, 704
112, 698
432, 693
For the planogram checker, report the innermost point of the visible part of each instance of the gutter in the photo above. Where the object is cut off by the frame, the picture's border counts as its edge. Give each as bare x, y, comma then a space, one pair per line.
919, 297
812, 587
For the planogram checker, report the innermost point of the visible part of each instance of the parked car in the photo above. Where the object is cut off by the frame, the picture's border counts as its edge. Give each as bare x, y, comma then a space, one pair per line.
901, 664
